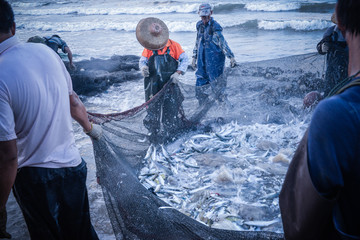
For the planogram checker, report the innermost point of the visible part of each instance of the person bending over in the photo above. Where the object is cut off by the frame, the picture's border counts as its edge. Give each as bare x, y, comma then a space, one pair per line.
163, 61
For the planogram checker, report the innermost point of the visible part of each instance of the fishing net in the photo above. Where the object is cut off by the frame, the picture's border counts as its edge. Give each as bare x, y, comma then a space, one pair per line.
337, 60
217, 171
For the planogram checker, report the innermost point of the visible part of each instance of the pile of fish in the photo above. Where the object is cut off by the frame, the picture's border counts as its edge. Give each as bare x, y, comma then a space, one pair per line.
228, 178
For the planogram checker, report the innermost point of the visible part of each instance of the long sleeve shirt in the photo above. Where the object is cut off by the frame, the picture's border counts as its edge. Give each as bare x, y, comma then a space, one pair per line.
218, 39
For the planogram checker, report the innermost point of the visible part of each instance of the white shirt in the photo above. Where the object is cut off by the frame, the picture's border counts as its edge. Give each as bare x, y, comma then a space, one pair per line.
34, 105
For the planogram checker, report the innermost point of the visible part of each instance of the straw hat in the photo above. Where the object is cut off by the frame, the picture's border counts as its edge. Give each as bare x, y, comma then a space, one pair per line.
152, 33
333, 18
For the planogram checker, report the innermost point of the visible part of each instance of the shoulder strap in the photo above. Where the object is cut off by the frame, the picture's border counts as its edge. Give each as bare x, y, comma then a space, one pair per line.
211, 30
343, 85
355, 82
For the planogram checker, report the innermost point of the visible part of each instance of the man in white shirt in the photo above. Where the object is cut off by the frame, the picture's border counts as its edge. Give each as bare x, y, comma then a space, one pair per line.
37, 143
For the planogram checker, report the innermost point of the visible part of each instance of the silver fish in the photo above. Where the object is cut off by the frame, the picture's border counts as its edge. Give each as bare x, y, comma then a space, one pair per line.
157, 188
153, 155
148, 152
164, 152
199, 189
261, 223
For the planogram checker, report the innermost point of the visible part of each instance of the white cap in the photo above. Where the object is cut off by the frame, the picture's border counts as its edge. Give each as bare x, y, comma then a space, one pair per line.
204, 9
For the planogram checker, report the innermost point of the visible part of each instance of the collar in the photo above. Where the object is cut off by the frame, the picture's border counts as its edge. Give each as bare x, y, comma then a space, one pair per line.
8, 43
168, 43
209, 23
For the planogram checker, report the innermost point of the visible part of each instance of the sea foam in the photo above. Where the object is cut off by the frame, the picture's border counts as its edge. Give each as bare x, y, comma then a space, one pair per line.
273, 7
298, 25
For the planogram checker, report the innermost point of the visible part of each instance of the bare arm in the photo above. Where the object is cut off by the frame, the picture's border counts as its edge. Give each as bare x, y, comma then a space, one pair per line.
70, 56
78, 112
8, 169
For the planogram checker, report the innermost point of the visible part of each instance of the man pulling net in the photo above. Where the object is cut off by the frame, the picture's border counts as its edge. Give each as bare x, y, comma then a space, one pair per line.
162, 63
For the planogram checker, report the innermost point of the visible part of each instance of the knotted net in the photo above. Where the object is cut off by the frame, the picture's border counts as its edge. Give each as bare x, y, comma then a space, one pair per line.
218, 172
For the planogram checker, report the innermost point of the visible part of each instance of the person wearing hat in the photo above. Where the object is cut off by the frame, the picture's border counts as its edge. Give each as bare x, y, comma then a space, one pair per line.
209, 54
162, 63
55, 42
320, 195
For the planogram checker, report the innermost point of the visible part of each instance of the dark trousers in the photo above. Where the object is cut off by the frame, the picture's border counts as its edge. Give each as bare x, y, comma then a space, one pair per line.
54, 202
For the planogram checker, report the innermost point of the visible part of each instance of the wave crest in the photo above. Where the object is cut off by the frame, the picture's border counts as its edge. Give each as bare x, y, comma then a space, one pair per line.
177, 26
298, 25
273, 7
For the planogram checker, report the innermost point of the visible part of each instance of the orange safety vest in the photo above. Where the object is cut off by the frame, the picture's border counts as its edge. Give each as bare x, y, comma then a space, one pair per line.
175, 50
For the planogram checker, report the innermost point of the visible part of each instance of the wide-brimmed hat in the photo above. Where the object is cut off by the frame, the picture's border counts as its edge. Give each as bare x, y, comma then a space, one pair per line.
36, 39
152, 33
333, 18
204, 10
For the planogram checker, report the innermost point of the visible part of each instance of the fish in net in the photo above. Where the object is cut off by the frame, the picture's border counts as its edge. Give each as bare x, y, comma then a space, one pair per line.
140, 172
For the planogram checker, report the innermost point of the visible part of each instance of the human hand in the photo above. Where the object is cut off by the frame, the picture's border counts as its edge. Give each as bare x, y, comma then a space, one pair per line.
193, 64
232, 62
325, 47
311, 99
175, 77
95, 132
72, 66
3, 220
145, 71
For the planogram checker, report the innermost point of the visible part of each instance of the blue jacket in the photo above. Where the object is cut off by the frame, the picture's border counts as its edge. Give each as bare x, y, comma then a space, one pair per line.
210, 51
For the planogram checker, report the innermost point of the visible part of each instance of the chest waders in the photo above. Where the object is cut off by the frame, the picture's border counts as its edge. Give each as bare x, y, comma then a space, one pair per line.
164, 110
211, 62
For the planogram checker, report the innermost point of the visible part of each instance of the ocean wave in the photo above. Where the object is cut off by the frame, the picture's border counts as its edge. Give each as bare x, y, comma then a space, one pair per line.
298, 25
318, 7
288, 6
39, 9
129, 26
273, 7
28, 4
119, 8
78, 26
108, 10
228, 7
174, 26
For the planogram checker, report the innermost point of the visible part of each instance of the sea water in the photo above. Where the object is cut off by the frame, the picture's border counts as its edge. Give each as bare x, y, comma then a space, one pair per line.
254, 30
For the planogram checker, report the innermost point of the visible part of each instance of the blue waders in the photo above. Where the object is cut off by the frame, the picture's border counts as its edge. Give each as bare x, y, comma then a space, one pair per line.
211, 62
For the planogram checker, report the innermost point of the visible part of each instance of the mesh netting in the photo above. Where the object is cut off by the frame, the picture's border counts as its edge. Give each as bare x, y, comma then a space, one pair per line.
144, 177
